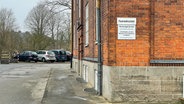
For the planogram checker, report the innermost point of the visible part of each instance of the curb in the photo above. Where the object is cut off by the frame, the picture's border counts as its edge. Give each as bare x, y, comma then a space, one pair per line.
46, 86
44, 81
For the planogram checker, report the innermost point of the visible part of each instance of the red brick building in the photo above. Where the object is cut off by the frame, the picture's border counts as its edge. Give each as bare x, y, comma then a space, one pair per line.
141, 61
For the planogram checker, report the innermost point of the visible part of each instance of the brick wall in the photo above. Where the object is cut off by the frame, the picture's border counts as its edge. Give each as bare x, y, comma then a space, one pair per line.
159, 31
90, 51
74, 7
169, 29
105, 30
127, 52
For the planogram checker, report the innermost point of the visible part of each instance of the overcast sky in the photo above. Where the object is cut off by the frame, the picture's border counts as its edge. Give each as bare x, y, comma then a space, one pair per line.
20, 8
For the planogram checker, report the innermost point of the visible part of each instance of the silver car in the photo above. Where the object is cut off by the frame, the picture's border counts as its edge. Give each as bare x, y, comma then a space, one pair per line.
46, 56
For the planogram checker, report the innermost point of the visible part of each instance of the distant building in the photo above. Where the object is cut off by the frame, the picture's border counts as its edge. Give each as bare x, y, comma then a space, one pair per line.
142, 48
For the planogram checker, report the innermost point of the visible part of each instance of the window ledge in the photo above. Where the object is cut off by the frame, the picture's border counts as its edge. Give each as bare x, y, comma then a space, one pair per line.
167, 61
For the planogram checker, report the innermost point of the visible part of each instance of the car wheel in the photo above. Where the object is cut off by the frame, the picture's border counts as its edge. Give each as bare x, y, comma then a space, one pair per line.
28, 60
57, 60
43, 60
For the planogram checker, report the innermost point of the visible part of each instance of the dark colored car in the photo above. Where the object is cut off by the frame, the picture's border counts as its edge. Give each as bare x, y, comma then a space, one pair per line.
69, 55
28, 56
60, 55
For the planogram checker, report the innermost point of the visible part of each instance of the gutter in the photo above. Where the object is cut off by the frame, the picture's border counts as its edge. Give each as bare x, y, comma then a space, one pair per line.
152, 28
71, 64
98, 32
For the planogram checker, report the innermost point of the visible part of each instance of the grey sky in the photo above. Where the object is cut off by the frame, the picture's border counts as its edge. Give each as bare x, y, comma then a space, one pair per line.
20, 8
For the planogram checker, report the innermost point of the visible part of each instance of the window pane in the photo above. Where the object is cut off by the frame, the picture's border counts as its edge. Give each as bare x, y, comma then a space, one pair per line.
87, 24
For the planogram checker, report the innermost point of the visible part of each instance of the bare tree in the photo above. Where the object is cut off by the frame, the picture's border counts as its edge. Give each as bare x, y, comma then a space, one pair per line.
50, 28
7, 26
53, 25
66, 31
58, 5
62, 7
37, 21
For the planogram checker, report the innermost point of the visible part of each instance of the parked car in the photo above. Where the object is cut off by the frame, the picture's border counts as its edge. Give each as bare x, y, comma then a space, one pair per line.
46, 56
28, 56
60, 55
69, 55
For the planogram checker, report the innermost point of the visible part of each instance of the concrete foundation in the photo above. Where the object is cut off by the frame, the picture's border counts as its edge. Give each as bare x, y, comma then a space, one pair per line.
86, 70
136, 83
143, 84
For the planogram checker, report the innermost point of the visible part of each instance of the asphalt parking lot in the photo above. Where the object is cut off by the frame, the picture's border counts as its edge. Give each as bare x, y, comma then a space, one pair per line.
42, 83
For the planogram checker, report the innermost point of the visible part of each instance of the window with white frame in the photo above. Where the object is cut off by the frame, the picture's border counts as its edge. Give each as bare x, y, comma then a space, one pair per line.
74, 5
75, 37
87, 25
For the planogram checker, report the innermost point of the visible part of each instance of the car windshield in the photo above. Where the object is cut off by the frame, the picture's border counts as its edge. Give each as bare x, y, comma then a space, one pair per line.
68, 53
62, 52
56, 52
50, 53
34, 53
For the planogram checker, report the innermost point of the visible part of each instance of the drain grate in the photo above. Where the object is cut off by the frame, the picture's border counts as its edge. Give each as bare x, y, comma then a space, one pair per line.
91, 91
71, 75
80, 80
73, 71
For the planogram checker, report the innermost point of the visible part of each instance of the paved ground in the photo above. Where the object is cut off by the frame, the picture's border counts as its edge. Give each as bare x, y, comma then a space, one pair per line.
22, 83
63, 88
43, 83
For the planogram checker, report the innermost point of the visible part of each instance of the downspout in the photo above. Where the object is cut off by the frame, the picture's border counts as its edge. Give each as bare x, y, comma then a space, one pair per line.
71, 63
183, 85
152, 28
98, 32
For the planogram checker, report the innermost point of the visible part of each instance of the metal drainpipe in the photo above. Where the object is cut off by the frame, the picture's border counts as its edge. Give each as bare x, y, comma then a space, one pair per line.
98, 32
183, 85
152, 7
72, 37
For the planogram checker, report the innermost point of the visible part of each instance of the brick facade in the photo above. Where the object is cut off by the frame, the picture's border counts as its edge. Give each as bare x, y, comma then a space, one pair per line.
168, 29
159, 32
89, 51
159, 36
130, 52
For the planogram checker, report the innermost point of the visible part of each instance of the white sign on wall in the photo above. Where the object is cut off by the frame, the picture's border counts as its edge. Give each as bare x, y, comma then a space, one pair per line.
126, 28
